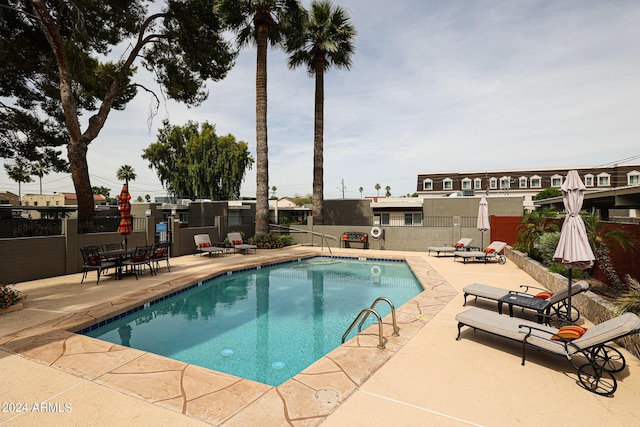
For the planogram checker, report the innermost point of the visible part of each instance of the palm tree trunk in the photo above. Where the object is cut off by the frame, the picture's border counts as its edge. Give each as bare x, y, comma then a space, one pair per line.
262, 148
318, 147
604, 260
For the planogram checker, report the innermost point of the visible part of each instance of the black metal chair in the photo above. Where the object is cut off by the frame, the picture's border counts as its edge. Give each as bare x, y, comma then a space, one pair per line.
93, 261
160, 252
140, 258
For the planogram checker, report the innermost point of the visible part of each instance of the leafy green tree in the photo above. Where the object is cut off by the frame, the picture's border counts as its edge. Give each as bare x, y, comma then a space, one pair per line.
273, 193
53, 68
302, 200
326, 39
126, 173
104, 191
548, 193
387, 191
260, 22
193, 162
147, 198
19, 172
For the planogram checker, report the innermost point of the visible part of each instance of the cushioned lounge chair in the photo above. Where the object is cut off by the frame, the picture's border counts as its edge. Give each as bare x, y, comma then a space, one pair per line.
490, 253
556, 301
238, 244
204, 246
602, 361
461, 245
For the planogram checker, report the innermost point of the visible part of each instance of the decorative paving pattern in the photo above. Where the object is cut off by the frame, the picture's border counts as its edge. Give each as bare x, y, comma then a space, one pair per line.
218, 398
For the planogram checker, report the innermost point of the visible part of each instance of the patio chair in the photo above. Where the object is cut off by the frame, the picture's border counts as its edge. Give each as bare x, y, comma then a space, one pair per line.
204, 246
556, 301
460, 245
140, 258
160, 252
490, 253
238, 244
602, 361
92, 260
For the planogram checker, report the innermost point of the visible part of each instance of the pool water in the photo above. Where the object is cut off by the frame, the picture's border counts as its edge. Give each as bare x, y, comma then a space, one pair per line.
265, 324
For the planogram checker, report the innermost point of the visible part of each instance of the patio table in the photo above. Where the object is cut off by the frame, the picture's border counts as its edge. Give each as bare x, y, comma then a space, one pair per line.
118, 256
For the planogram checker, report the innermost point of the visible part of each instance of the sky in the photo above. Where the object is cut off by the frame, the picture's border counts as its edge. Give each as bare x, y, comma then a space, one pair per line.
434, 86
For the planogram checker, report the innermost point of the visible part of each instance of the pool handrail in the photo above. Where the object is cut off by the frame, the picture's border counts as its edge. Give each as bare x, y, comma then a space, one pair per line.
299, 230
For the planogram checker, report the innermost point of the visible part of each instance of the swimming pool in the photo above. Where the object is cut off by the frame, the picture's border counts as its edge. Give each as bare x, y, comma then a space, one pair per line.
264, 324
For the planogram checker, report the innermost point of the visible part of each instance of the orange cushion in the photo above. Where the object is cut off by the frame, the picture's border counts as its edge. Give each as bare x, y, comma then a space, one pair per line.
488, 250
543, 295
205, 245
570, 332
458, 245
345, 237
237, 242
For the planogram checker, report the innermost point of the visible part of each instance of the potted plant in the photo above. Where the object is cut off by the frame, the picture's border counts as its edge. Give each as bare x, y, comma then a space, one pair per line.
10, 299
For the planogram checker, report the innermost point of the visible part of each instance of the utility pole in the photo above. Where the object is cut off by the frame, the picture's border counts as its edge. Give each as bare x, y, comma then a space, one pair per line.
342, 188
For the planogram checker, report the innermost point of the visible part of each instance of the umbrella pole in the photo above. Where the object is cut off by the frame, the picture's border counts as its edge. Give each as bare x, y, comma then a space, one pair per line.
569, 318
482, 240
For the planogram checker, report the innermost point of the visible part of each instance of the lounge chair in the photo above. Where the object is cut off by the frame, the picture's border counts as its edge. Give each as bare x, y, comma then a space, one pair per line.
204, 246
596, 375
556, 302
238, 244
462, 244
490, 253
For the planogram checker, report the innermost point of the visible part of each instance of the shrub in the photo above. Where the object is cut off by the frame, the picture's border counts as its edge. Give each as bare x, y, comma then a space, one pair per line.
267, 241
286, 240
630, 301
557, 267
9, 296
547, 244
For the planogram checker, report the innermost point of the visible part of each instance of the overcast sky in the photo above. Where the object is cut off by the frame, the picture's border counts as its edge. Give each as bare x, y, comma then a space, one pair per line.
434, 86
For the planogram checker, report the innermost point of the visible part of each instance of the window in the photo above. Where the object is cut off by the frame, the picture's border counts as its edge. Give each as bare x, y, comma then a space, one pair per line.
536, 182
556, 181
466, 184
588, 180
413, 219
57, 202
523, 182
447, 184
48, 203
477, 183
633, 178
505, 183
427, 184
384, 219
493, 183
35, 203
603, 179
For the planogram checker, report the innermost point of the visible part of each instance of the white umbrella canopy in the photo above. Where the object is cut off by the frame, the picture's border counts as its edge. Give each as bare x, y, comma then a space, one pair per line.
483, 217
573, 250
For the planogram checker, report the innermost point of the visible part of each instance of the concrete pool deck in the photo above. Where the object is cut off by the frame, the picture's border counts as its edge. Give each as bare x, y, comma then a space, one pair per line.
424, 377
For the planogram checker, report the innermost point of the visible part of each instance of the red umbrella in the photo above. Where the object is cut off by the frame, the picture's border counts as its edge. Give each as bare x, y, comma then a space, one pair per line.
126, 226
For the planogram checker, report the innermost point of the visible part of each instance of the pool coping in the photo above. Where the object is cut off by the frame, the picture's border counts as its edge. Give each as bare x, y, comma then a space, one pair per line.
216, 398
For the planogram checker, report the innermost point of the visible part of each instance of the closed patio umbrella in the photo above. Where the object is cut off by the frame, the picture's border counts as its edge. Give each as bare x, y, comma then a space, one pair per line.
483, 218
125, 226
573, 250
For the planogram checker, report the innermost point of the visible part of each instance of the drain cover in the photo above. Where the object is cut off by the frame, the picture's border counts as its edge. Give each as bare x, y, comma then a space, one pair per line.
327, 395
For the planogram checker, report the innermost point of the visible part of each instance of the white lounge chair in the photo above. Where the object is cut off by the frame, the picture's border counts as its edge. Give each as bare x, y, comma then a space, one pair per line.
235, 239
204, 246
461, 245
490, 253
602, 360
556, 301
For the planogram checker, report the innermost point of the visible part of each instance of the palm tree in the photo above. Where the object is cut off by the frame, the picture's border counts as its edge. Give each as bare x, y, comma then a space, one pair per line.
377, 187
361, 190
40, 170
326, 40
18, 172
532, 226
260, 22
388, 191
126, 173
602, 238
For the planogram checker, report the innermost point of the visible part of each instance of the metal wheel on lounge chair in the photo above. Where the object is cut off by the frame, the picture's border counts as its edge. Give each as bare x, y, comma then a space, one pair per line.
597, 380
609, 358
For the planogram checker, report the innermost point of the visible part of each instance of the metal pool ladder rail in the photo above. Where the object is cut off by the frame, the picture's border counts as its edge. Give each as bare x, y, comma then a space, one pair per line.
365, 313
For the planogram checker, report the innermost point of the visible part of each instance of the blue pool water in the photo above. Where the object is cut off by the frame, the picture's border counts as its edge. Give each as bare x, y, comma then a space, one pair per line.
264, 324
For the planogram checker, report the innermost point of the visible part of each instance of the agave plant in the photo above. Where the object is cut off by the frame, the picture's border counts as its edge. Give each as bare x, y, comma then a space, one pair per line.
630, 301
534, 224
